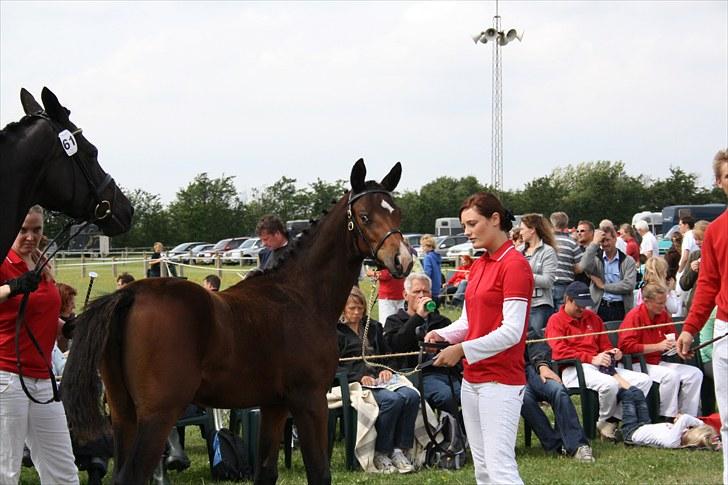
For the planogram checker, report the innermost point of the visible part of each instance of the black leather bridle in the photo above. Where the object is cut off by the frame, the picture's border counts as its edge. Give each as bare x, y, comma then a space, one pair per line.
353, 224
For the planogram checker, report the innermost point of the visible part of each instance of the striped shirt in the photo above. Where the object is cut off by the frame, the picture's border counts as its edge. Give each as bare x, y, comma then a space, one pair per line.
568, 254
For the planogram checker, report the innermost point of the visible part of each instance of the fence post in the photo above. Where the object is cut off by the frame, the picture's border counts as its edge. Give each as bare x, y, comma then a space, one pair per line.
218, 265
163, 270
83, 265
181, 270
113, 267
146, 265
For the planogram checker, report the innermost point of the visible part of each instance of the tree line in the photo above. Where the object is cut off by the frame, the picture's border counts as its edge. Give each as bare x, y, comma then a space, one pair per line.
210, 209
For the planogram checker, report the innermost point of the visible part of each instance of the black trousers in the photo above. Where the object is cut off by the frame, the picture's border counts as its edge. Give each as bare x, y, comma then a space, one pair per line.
611, 310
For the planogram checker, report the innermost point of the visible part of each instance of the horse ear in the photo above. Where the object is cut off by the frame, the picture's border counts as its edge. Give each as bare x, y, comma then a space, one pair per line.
392, 179
53, 106
30, 105
358, 172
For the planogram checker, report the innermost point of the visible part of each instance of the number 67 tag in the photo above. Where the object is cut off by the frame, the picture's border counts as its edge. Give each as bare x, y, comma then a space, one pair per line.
68, 142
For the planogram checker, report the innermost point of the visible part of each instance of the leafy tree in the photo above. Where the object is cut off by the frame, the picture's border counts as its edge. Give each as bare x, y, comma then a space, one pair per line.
151, 221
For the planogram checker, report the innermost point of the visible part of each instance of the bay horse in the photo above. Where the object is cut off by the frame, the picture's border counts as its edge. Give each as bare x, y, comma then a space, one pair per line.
268, 341
35, 168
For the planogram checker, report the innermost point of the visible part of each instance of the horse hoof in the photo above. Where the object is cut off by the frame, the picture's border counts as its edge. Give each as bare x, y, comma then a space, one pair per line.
178, 463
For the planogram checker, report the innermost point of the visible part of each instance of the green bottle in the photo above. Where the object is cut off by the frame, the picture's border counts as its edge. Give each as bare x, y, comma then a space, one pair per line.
431, 306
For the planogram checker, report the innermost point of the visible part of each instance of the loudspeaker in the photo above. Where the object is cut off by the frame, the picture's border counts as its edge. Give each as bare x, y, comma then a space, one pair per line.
491, 34
479, 37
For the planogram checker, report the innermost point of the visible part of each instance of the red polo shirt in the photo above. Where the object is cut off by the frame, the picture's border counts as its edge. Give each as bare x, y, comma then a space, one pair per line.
634, 342
582, 348
41, 316
390, 288
493, 279
712, 286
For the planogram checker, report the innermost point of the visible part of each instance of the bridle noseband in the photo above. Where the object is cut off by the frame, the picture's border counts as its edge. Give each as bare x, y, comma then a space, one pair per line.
103, 207
353, 224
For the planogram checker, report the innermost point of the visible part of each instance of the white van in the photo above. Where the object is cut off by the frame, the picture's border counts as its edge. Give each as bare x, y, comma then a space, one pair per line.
653, 219
448, 226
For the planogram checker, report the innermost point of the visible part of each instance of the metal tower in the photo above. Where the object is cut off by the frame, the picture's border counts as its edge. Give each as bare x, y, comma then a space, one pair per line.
499, 39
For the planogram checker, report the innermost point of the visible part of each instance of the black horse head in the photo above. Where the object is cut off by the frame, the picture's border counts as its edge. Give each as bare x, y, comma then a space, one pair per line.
72, 181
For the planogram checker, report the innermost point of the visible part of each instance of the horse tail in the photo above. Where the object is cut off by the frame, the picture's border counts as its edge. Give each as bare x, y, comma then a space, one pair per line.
81, 385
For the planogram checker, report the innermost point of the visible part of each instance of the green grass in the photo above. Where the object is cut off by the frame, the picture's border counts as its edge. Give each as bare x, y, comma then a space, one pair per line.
615, 462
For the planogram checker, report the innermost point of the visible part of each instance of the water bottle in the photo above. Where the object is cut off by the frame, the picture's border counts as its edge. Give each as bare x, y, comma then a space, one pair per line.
431, 306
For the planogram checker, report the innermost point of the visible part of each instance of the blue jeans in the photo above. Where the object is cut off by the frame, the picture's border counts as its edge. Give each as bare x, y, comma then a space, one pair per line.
568, 431
438, 393
634, 411
537, 319
459, 296
396, 421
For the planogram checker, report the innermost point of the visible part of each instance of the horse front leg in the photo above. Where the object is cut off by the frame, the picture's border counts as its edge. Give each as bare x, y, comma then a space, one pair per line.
311, 416
273, 419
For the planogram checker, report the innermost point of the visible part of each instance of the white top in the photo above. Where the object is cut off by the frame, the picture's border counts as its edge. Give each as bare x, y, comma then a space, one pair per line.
649, 243
622, 245
500, 339
665, 435
688, 242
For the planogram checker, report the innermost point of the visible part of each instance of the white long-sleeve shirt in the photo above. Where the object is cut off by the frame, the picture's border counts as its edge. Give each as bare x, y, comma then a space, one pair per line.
665, 435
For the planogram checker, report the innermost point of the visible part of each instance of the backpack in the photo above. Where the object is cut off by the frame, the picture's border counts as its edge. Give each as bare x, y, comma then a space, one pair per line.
230, 457
449, 454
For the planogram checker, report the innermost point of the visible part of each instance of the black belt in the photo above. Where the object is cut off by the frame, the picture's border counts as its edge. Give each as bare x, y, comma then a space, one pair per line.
608, 303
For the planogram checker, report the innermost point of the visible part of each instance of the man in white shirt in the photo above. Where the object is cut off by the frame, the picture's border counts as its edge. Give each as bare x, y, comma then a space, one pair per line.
649, 245
688, 243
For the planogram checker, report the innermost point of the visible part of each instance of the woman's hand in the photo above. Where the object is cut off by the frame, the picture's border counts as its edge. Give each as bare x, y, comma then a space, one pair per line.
449, 356
385, 376
433, 337
368, 381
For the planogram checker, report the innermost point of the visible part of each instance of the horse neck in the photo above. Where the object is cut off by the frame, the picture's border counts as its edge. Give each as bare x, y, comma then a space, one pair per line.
24, 159
328, 265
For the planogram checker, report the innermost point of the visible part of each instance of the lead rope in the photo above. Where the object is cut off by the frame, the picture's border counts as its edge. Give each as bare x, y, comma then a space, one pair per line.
372, 299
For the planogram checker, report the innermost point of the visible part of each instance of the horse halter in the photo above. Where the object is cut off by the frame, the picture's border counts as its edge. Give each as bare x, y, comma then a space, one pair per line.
102, 210
352, 224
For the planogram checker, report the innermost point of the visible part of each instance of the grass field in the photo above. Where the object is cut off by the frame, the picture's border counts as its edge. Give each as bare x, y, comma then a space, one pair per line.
615, 462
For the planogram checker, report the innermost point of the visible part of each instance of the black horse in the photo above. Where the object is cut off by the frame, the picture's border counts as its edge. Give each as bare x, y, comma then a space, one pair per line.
45, 159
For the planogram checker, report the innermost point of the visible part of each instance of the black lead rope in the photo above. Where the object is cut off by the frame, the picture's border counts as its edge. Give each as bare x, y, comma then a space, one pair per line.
20, 320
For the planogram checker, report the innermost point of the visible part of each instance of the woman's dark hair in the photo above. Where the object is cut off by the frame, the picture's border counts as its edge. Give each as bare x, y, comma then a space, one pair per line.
487, 204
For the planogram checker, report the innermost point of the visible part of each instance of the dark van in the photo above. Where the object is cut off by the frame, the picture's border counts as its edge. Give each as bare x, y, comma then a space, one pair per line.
671, 214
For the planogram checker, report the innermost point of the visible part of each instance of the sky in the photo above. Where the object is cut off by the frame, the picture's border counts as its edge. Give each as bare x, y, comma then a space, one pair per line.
262, 90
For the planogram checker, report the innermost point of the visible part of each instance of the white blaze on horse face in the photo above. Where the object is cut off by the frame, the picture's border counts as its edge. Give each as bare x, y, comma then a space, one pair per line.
387, 206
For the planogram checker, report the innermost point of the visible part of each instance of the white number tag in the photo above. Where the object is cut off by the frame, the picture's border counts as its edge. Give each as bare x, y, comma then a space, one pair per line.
68, 142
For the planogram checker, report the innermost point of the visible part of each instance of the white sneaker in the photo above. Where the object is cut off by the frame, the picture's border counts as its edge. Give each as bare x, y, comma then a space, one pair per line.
383, 463
401, 462
584, 454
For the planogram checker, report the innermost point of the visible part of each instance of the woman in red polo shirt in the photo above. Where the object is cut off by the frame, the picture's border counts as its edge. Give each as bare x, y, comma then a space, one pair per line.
491, 335
42, 426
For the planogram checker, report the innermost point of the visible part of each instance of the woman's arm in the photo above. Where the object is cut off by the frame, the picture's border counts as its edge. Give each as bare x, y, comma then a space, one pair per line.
457, 330
503, 337
547, 277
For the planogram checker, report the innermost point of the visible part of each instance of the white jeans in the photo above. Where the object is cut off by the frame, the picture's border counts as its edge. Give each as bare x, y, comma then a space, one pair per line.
720, 377
42, 426
389, 307
491, 412
607, 387
679, 387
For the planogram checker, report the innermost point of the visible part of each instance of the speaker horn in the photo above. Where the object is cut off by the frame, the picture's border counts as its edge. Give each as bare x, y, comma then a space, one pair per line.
490, 34
479, 37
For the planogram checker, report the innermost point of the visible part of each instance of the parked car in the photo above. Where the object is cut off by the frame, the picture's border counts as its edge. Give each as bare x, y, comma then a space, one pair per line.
252, 247
413, 239
665, 242
181, 252
197, 252
465, 248
208, 257
444, 243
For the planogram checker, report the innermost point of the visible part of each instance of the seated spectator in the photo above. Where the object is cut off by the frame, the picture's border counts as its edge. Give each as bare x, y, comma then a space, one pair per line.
544, 385
539, 250
685, 432
458, 282
123, 279
211, 282
404, 331
594, 351
398, 406
679, 383
656, 273
627, 233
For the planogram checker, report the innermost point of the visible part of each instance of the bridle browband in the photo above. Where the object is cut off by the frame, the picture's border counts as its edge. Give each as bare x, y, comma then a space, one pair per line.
102, 209
353, 224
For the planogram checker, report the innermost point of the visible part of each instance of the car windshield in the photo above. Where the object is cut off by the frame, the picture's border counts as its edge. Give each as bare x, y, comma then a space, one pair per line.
221, 244
236, 243
181, 247
249, 243
201, 247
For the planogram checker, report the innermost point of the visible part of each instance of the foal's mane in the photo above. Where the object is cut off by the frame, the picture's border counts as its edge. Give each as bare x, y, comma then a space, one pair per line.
305, 240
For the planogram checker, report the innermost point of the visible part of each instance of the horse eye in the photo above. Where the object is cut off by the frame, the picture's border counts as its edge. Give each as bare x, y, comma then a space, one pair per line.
365, 219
